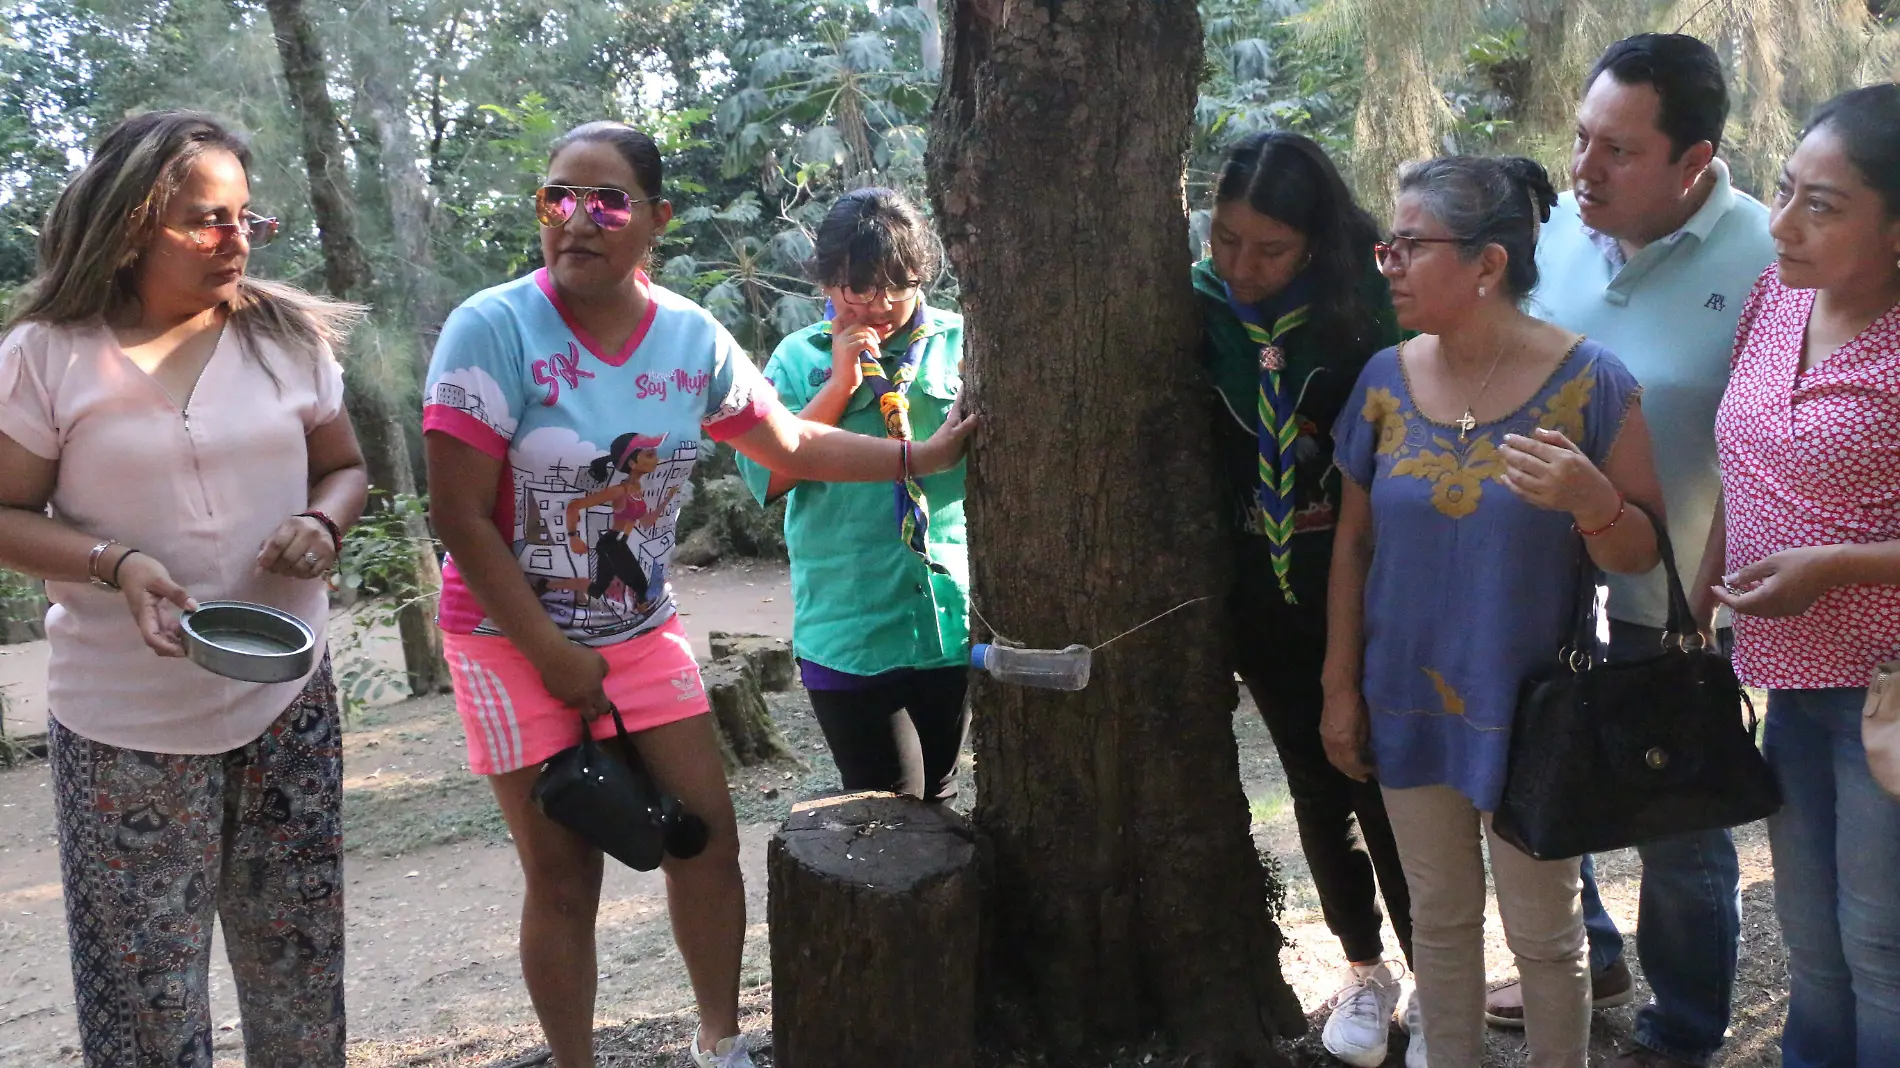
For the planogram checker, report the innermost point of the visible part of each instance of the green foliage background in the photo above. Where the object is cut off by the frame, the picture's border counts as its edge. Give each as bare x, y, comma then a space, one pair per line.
768, 109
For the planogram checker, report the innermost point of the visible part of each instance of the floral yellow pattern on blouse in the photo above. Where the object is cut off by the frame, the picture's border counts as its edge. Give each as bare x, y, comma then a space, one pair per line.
1458, 471
1454, 703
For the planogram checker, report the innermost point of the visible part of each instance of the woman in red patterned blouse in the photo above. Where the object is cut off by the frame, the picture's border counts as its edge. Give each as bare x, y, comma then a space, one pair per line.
1809, 433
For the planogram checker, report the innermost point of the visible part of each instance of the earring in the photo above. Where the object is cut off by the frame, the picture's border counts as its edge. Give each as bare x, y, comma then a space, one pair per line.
1481, 291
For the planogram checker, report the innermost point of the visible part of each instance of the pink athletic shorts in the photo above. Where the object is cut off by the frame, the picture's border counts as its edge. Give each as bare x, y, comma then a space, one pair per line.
512, 721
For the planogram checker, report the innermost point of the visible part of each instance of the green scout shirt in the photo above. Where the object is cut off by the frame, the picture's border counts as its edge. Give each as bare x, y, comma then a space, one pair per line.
1321, 381
862, 602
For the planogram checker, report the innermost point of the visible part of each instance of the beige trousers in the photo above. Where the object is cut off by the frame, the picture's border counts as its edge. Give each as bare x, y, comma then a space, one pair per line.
1440, 835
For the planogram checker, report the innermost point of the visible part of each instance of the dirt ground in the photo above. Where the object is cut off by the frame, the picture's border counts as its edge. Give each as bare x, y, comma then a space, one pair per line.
433, 890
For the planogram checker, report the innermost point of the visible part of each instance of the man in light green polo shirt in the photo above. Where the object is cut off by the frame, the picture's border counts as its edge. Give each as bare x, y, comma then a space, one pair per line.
1653, 254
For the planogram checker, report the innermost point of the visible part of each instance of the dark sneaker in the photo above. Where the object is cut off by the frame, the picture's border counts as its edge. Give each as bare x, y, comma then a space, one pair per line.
1609, 988
1641, 1057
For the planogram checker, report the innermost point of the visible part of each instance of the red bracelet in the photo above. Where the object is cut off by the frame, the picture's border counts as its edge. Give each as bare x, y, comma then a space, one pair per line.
1621, 507
336, 533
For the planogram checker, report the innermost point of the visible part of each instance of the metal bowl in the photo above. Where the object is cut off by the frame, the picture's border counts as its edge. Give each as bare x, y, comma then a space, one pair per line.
249, 642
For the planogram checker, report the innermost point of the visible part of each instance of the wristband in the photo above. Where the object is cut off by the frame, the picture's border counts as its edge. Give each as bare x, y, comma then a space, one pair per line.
905, 454
1621, 507
114, 581
336, 534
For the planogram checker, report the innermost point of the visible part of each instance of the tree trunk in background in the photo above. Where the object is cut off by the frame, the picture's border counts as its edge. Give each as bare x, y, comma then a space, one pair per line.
423, 662
1128, 895
347, 276
930, 42
1553, 83
419, 295
346, 271
407, 194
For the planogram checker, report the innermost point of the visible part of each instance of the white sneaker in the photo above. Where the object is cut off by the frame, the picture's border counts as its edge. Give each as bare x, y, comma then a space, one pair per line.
1356, 1032
1415, 1029
729, 1053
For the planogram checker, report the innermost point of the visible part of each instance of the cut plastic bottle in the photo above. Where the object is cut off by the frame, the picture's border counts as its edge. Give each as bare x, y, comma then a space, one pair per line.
1049, 669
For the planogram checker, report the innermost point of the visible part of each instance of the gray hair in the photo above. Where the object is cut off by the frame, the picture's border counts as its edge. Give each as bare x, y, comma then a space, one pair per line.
1488, 201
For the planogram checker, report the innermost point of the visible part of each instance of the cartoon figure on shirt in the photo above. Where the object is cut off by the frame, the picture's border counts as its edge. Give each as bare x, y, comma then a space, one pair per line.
635, 456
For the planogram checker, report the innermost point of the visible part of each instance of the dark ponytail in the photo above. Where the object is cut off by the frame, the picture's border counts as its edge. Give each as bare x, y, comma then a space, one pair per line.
602, 468
1535, 181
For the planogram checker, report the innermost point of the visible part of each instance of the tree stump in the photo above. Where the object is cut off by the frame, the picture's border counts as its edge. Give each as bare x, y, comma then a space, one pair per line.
874, 906
771, 658
747, 735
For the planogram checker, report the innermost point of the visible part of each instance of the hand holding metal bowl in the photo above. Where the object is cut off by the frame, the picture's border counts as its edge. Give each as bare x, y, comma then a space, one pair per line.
248, 642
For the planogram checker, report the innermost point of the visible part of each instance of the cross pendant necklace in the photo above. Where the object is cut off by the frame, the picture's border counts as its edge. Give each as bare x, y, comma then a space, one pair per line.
1468, 422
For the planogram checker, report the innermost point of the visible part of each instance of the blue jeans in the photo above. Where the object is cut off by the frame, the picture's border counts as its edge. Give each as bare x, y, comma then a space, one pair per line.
1689, 921
1836, 845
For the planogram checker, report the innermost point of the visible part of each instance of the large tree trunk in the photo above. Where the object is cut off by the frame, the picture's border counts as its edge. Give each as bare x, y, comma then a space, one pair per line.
1127, 895
346, 274
381, 70
420, 295
345, 268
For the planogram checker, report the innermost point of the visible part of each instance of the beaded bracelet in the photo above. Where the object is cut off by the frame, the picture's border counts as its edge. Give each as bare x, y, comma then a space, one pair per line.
336, 533
1621, 507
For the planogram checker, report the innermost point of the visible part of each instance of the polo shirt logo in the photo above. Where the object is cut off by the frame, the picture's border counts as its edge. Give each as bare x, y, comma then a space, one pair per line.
1715, 302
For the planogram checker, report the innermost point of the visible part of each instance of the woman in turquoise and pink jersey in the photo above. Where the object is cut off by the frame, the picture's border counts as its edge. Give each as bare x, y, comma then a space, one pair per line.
564, 411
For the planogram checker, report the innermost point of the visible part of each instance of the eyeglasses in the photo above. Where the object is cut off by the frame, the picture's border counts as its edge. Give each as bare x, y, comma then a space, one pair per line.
208, 238
610, 208
1398, 249
896, 293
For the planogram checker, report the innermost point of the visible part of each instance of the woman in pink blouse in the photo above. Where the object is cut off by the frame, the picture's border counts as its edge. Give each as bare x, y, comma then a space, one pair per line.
172, 430
1809, 433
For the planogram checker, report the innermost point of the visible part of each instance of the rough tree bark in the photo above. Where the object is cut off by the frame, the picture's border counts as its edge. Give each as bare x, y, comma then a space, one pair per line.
423, 304
1128, 895
380, 70
347, 275
345, 268
747, 734
875, 912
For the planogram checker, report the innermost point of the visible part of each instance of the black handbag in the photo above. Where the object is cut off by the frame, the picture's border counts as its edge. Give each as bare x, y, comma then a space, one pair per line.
1607, 755
614, 804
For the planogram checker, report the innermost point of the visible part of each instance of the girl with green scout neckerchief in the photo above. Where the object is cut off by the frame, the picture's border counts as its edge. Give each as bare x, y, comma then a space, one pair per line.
1293, 306
880, 575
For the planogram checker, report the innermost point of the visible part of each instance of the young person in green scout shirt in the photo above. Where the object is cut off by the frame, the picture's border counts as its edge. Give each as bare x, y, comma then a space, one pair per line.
880, 574
1293, 306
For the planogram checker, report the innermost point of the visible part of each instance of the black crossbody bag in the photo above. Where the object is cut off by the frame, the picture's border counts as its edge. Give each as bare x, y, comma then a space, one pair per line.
1607, 755
614, 804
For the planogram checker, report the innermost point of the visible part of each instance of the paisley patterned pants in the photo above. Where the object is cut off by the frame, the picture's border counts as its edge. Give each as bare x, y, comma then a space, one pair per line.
153, 845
